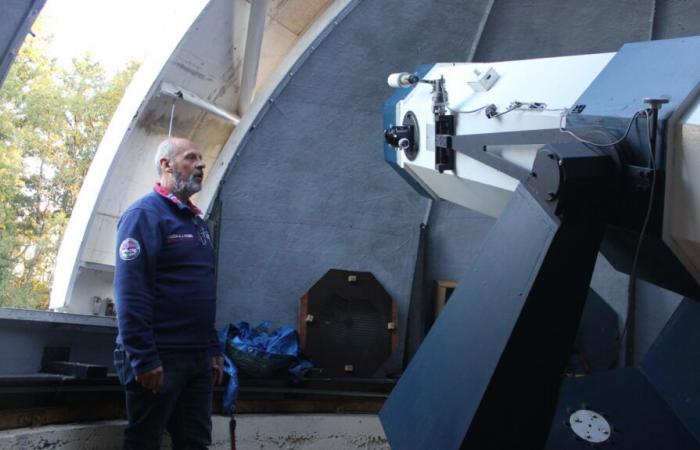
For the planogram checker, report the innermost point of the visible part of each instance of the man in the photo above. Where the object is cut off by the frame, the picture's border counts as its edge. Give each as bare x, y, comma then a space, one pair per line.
168, 354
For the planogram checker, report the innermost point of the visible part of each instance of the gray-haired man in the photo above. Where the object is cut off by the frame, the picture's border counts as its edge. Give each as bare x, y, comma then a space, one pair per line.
168, 354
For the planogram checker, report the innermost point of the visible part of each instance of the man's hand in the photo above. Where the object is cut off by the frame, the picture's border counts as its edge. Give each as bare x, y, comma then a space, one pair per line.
217, 366
152, 380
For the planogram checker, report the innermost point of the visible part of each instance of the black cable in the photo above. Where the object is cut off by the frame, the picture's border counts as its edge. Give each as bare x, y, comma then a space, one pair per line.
632, 286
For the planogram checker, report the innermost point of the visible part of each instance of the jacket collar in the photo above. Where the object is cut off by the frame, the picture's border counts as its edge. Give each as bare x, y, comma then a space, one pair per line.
173, 198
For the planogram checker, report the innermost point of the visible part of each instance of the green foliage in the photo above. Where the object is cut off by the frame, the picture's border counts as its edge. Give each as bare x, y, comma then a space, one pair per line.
51, 122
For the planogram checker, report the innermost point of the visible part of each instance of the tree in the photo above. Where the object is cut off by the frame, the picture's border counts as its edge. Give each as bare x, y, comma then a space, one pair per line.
51, 122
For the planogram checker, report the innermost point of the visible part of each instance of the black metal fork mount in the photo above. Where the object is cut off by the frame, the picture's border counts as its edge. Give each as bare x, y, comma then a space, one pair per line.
488, 373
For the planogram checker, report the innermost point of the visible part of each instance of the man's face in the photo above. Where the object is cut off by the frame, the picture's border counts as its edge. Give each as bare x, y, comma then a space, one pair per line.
188, 170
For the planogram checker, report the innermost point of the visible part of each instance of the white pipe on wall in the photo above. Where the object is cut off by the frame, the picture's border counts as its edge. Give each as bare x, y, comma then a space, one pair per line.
194, 99
251, 58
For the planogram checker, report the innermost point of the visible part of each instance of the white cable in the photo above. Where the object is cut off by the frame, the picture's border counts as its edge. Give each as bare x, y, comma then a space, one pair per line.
515, 105
172, 114
512, 107
597, 144
456, 111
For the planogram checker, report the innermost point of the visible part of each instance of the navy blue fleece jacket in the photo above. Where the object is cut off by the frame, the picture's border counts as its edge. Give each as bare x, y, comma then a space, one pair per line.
164, 280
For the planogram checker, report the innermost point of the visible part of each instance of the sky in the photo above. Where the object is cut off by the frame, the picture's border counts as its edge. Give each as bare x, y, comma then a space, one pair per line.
114, 31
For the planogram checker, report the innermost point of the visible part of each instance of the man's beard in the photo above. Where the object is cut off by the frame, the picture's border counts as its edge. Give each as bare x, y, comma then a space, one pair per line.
186, 187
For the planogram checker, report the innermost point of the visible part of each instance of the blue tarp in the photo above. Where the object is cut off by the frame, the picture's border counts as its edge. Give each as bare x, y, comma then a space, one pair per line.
258, 352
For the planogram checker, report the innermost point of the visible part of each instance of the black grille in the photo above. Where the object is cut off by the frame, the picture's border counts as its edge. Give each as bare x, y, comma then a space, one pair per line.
349, 334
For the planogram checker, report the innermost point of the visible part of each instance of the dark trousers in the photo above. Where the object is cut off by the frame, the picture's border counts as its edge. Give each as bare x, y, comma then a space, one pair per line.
182, 405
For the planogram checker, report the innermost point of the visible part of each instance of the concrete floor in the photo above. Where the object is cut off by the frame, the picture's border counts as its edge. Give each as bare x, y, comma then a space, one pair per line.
253, 432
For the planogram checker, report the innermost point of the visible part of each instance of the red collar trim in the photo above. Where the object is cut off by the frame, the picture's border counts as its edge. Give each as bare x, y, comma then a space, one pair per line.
173, 198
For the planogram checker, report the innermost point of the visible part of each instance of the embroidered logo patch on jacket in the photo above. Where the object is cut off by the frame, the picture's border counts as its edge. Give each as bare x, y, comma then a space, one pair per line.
129, 249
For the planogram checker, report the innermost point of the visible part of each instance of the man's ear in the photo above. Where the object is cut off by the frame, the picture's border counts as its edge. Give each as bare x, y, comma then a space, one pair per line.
165, 165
